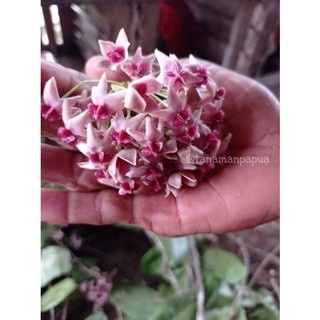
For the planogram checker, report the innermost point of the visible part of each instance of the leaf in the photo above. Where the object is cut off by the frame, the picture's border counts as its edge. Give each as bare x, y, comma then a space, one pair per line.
211, 284
47, 230
262, 313
177, 249
187, 313
57, 293
223, 313
225, 295
151, 263
265, 297
55, 262
159, 314
78, 274
225, 265
177, 302
97, 316
217, 313
241, 315
138, 302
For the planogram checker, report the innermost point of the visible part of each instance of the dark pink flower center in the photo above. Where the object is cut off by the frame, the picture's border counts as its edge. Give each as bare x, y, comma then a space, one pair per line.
202, 73
127, 187
122, 138
100, 174
189, 134
206, 167
67, 136
220, 93
153, 149
157, 184
141, 88
181, 118
137, 70
176, 74
99, 158
49, 113
219, 116
117, 54
155, 172
99, 112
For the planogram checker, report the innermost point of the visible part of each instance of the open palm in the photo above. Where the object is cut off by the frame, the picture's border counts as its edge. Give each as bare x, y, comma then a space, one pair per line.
235, 197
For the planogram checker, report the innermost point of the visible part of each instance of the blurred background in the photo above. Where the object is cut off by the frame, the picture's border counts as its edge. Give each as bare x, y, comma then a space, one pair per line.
240, 269
242, 35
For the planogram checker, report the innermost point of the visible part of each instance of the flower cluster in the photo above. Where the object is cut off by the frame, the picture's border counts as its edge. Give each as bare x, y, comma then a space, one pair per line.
96, 291
140, 132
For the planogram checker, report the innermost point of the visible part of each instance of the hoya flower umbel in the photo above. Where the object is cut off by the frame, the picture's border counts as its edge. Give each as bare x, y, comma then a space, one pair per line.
149, 130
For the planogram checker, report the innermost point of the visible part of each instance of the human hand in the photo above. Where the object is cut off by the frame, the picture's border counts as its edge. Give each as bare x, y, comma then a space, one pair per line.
233, 198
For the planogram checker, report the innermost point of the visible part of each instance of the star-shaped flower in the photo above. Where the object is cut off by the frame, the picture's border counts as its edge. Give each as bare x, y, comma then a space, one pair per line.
51, 108
138, 66
105, 104
137, 96
115, 53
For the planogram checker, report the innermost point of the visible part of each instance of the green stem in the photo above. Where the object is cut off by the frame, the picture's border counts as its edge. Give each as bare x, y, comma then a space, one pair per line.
128, 114
160, 100
72, 90
162, 95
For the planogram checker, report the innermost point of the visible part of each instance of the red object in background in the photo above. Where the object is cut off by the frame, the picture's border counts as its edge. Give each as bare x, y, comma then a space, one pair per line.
177, 26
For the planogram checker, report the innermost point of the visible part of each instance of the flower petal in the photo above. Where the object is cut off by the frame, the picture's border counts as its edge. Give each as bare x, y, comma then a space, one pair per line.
134, 101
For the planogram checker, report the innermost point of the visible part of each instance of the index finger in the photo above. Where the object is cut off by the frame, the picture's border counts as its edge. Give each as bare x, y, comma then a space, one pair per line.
65, 78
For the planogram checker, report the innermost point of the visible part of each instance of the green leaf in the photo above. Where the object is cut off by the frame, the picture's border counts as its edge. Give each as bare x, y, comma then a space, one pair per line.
265, 297
187, 313
55, 262
225, 295
97, 316
78, 274
138, 302
47, 230
217, 313
211, 284
223, 313
225, 265
151, 263
57, 293
177, 249
262, 313
241, 315
159, 314
177, 302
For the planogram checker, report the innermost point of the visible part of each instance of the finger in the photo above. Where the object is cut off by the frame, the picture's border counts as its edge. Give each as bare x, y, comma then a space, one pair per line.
60, 166
66, 78
168, 216
94, 71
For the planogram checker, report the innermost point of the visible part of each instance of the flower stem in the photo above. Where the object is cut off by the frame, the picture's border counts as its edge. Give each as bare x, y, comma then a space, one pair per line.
159, 100
162, 95
72, 90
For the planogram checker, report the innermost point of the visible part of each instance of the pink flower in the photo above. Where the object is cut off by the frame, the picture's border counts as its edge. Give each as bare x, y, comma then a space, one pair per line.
51, 108
137, 97
138, 66
150, 139
105, 104
173, 74
115, 53
146, 131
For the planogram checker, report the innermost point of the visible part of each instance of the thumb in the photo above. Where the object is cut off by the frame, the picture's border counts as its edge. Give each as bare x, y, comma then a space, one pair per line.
95, 71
